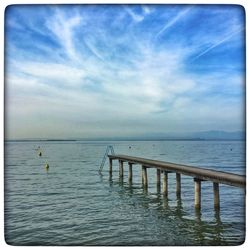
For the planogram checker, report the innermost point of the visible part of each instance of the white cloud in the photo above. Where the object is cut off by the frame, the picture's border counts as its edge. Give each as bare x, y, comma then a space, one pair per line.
53, 73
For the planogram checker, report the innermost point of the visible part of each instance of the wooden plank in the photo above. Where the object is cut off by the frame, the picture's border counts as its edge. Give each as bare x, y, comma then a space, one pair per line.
196, 172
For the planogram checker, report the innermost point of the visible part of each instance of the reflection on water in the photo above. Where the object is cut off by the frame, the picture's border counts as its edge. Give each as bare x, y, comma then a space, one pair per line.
202, 231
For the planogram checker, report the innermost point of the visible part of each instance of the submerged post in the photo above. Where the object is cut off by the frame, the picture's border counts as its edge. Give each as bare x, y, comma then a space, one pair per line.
110, 166
158, 177
121, 168
165, 183
197, 193
178, 185
158, 180
142, 177
145, 177
216, 195
130, 173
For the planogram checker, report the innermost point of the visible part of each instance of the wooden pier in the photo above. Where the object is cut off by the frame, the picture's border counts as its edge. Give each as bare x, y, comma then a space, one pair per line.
199, 175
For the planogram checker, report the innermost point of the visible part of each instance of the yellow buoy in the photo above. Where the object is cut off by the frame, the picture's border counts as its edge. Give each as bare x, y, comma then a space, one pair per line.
47, 166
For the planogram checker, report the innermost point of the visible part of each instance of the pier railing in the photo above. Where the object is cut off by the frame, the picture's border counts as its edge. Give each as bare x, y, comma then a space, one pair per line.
199, 175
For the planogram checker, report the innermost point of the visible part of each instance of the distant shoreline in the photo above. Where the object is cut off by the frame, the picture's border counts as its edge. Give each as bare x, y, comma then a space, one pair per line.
118, 139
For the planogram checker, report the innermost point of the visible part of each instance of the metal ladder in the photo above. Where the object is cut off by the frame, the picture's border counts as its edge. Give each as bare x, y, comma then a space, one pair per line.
109, 149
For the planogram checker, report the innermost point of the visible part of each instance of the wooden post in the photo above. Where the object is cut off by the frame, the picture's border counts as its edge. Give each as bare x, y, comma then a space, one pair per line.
130, 173
121, 168
197, 193
142, 179
110, 166
165, 183
216, 195
145, 177
158, 177
178, 185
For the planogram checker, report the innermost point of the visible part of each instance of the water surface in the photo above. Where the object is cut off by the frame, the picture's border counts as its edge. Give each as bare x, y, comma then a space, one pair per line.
72, 204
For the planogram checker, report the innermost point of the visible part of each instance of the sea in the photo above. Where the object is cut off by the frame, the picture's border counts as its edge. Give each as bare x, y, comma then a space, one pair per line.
72, 204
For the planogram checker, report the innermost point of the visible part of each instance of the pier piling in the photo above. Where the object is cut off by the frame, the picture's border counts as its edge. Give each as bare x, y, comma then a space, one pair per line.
130, 173
145, 176
158, 177
178, 185
142, 178
216, 195
121, 168
110, 166
165, 183
197, 193
158, 180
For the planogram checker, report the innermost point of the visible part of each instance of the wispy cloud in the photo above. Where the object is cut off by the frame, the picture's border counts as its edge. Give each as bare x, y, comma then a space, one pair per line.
62, 27
174, 20
136, 17
93, 49
218, 43
146, 9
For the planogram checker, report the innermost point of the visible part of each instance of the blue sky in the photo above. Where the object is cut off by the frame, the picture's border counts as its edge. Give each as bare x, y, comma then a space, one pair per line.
123, 70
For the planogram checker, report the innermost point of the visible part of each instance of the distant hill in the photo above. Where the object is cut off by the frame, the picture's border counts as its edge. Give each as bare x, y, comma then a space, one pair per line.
220, 135
203, 135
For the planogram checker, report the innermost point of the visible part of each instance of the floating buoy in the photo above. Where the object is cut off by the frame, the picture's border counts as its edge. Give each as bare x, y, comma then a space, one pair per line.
40, 153
47, 166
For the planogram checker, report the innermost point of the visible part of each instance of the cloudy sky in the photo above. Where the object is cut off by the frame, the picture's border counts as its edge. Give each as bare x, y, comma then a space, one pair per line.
82, 71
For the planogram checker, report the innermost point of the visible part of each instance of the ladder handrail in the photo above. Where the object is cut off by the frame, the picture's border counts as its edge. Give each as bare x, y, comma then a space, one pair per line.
109, 148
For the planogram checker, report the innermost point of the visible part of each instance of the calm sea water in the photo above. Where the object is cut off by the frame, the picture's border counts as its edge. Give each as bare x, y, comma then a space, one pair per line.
72, 204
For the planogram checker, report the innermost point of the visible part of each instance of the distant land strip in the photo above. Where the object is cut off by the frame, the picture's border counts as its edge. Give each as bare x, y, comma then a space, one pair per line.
123, 139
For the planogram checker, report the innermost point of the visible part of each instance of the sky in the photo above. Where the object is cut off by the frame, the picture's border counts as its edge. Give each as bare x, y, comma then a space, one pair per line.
88, 71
